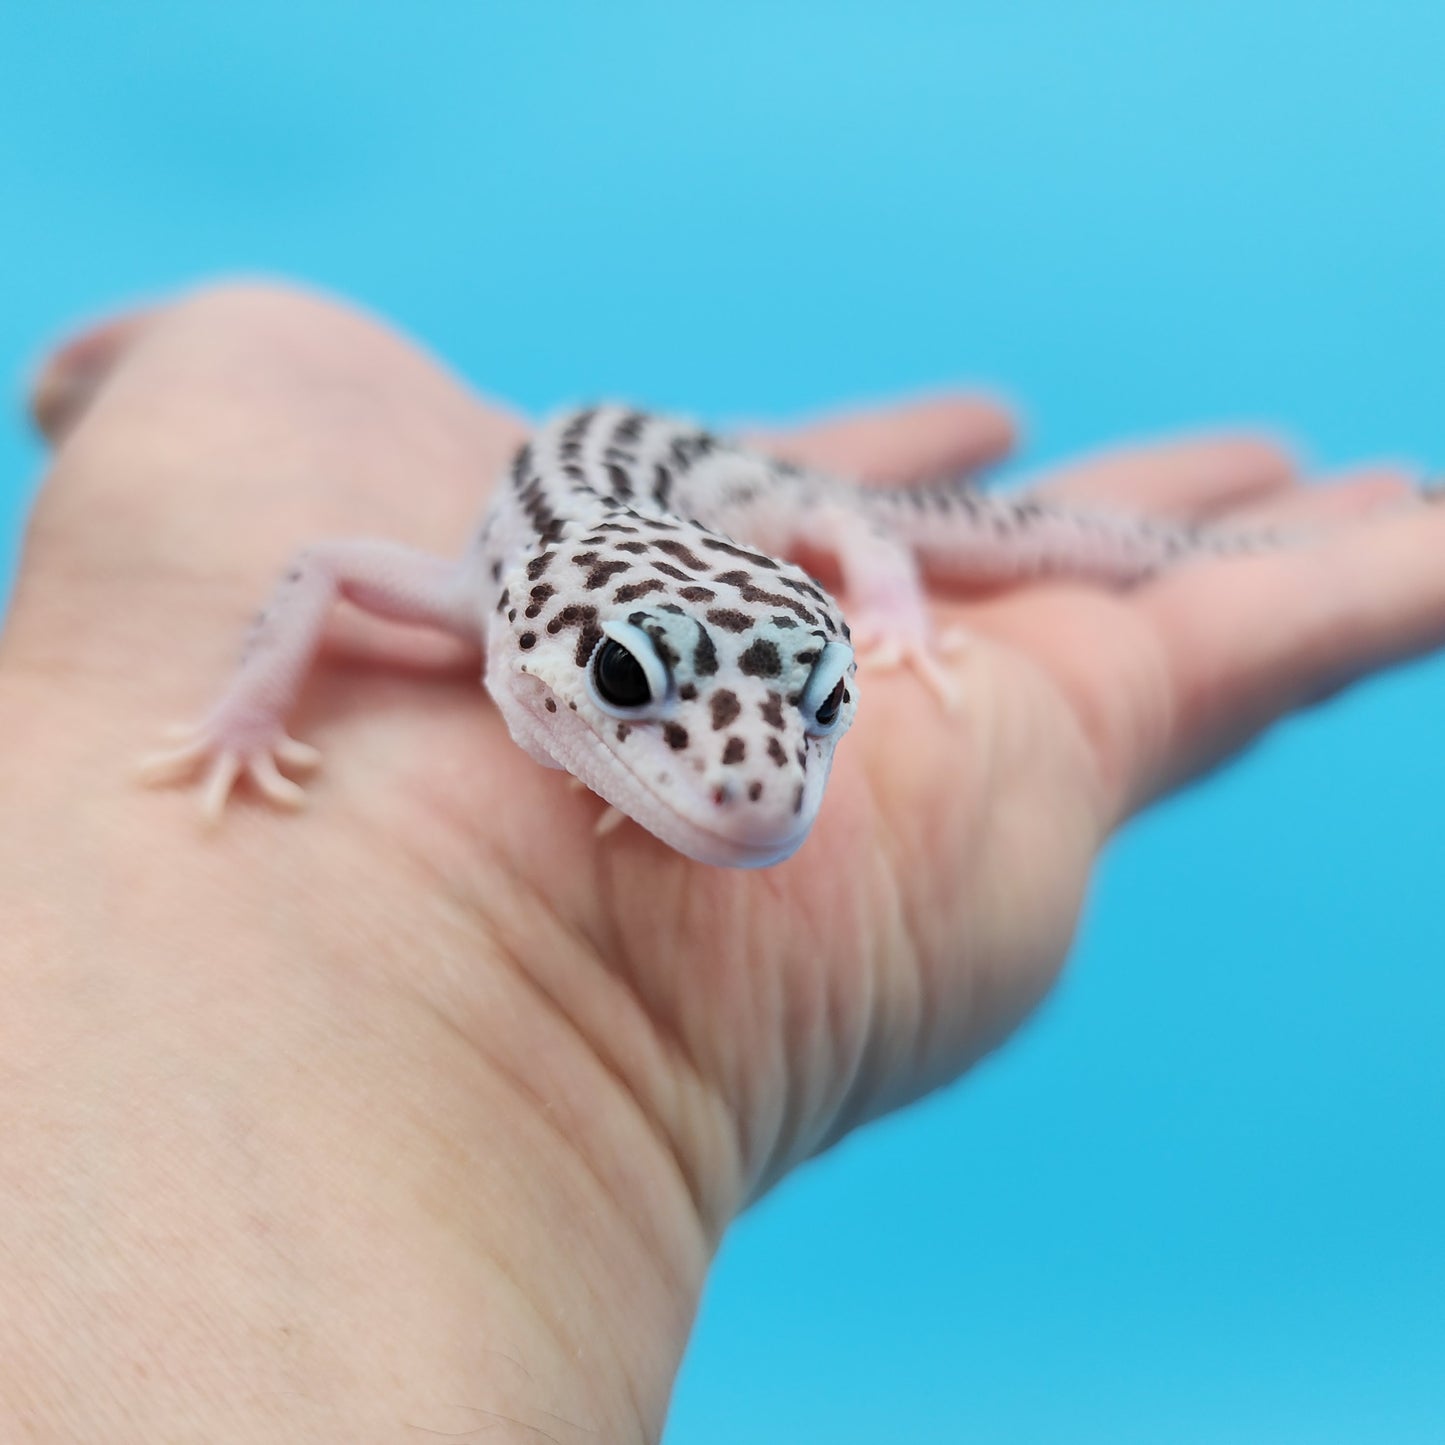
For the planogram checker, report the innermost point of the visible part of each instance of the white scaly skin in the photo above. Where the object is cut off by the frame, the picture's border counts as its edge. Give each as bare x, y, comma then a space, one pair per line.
617, 530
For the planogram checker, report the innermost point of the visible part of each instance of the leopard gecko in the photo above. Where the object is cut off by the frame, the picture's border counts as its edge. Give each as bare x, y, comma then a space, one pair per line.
642, 631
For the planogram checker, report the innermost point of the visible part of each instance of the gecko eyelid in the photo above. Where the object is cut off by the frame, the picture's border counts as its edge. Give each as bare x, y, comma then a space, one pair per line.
822, 700
625, 675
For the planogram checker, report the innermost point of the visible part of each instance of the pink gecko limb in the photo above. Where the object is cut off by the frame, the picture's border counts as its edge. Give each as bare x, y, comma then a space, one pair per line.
244, 734
889, 623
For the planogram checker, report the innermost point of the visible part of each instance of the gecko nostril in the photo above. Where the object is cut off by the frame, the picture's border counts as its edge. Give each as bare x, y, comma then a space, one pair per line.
722, 794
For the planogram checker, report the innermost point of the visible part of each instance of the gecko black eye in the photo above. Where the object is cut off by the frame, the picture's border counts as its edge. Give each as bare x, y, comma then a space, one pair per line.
625, 675
827, 686
619, 678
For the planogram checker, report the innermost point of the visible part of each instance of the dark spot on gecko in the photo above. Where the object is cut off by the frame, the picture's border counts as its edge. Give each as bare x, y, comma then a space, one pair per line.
603, 572
511, 614
550, 705
704, 655
504, 601
621, 482
662, 485
633, 590
573, 470
700, 594
540, 594
725, 707
756, 558
772, 710
807, 589
659, 638
674, 736
527, 640
735, 751
586, 559
622, 731
798, 799
681, 551
585, 620
539, 565
587, 639
629, 429
576, 429
761, 659
636, 548
671, 607
750, 593
688, 691
730, 619
755, 791
807, 658
496, 571
778, 620
521, 465
668, 570
803, 757
776, 753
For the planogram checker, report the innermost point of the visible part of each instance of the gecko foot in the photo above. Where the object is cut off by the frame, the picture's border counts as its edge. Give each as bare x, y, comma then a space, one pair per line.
884, 648
223, 755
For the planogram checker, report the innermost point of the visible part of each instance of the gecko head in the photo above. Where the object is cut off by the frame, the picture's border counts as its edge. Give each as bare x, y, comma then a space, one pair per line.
711, 726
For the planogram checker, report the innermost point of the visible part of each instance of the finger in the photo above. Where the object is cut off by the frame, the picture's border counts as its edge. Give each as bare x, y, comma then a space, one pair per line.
1331, 502
1251, 639
74, 372
907, 442
1194, 479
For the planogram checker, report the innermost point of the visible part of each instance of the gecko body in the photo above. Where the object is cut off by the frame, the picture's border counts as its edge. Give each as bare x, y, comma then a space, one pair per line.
643, 631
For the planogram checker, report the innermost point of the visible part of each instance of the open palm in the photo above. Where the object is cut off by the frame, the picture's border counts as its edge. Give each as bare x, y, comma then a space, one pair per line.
758, 1016
445, 901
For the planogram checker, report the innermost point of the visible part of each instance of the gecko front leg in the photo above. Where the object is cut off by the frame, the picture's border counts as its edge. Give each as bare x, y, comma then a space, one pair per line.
245, 733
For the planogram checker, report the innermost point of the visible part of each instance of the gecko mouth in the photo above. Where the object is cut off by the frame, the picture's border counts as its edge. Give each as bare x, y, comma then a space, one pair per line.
675, 827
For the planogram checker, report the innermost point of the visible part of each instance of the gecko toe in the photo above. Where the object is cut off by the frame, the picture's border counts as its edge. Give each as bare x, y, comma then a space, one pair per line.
219, 782
171, 765
280, 790
296, 754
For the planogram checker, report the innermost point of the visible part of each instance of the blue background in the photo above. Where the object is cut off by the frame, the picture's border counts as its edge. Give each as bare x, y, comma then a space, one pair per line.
1202, 1198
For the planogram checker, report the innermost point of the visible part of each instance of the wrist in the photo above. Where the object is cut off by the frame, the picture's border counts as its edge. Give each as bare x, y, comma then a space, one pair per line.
258, 1172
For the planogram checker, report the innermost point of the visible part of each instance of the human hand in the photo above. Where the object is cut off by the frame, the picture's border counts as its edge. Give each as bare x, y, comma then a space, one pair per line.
435, 1081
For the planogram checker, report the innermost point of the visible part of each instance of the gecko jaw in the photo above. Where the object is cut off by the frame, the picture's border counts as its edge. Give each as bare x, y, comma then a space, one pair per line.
570, 741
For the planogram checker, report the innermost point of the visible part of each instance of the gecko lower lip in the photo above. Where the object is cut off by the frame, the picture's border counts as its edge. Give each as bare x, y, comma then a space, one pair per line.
697, 840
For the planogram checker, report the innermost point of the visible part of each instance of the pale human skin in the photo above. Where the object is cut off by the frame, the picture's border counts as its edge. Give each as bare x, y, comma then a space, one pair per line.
424, 1110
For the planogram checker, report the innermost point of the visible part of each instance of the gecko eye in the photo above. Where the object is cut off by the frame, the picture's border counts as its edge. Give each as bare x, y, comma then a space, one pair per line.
626, 674
822, 700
